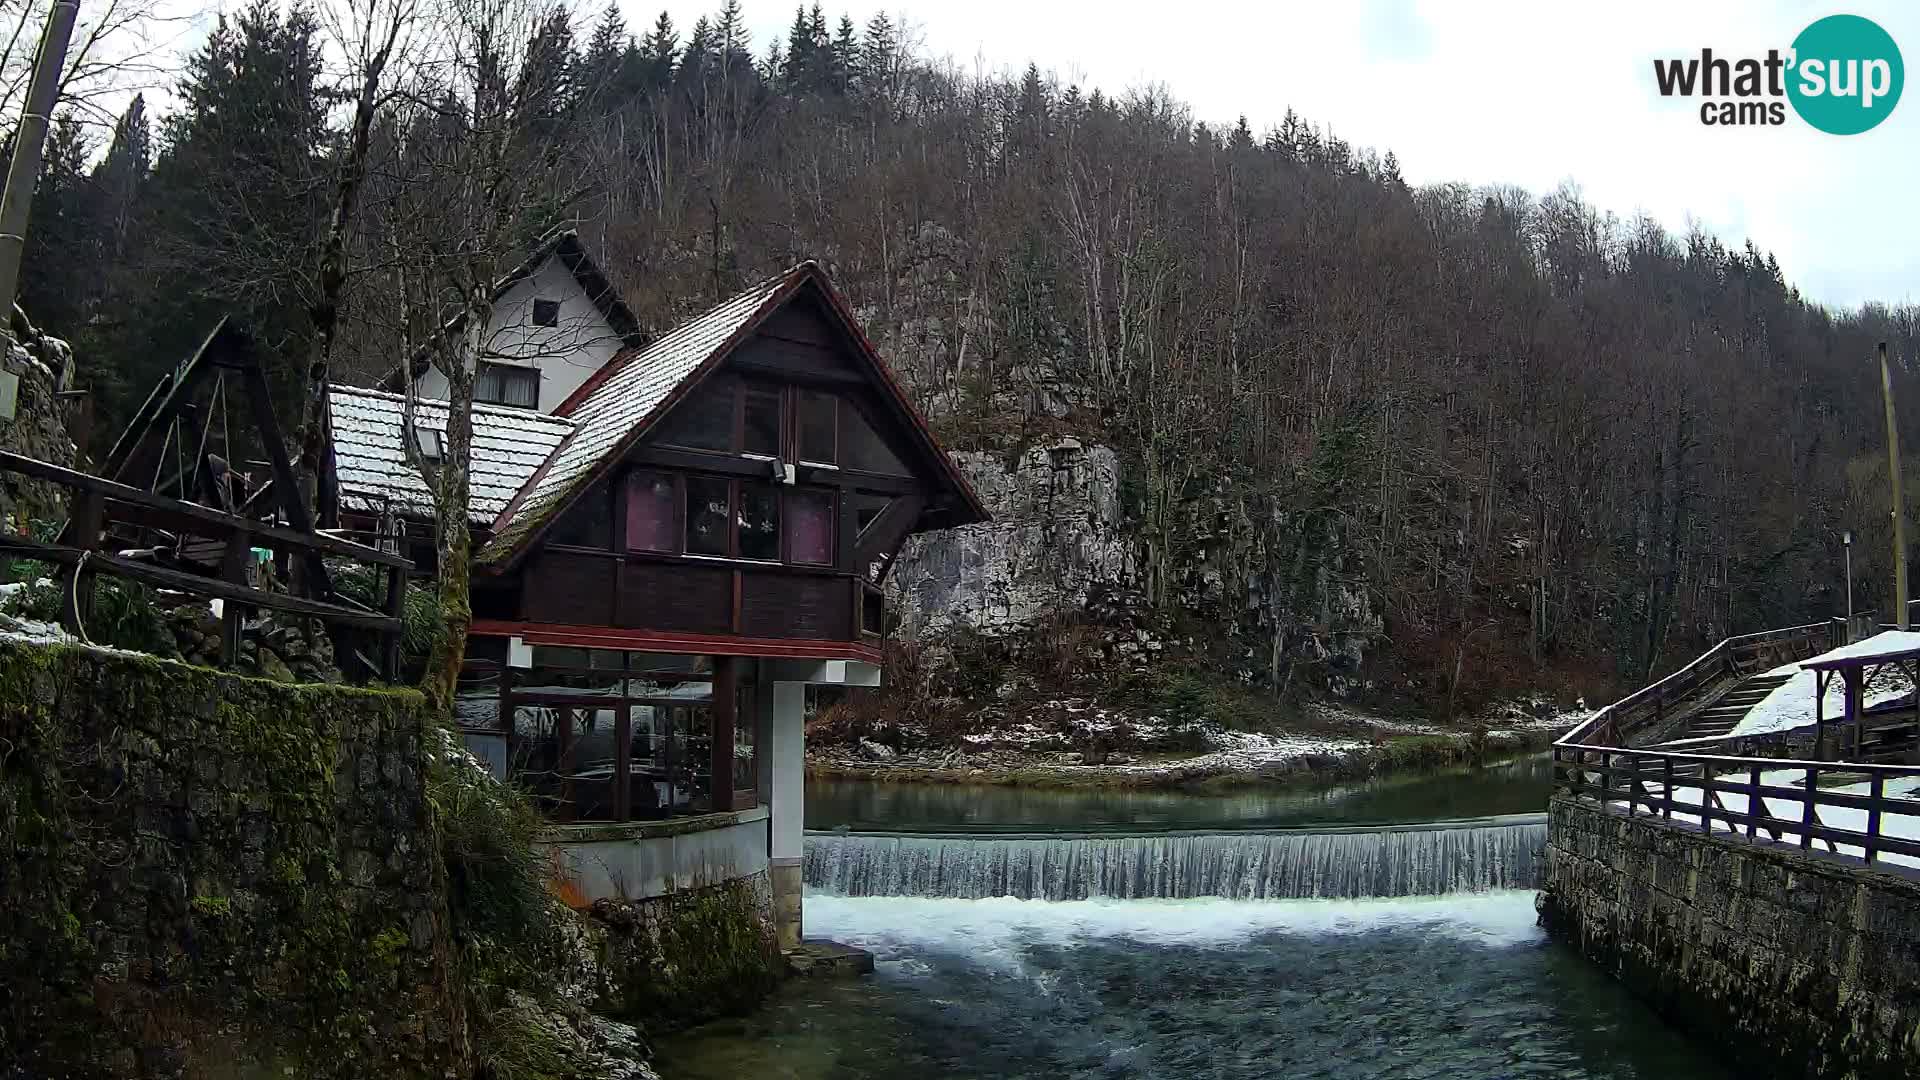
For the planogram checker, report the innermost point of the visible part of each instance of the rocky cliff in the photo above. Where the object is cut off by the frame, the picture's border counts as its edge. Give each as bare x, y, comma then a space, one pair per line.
1260, 593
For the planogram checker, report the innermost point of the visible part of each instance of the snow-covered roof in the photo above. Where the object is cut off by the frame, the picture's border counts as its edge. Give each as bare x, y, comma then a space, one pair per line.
1790, 705
615, 406
1881, 646
370, 461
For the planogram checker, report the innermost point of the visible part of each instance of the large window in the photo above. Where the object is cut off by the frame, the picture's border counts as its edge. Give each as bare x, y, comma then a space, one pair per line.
747, 519
817, 419
759, 521
504, 384
651, 498
810, 527
768, 420
709, 516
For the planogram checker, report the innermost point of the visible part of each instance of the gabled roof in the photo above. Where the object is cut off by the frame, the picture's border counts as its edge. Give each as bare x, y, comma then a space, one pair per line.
370, 462
565, 245
615, 408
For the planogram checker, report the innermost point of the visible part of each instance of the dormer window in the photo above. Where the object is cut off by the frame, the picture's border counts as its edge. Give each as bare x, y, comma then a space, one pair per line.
430, 442
505, 384
546, 313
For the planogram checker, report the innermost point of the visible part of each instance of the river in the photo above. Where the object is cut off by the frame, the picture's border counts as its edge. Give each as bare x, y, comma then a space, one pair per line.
1430, 981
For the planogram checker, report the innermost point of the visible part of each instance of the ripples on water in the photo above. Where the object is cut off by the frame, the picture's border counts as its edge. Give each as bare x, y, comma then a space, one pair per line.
1456, 986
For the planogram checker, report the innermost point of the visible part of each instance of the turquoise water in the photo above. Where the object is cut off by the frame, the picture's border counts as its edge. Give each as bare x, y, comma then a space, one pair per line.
1461, 987
1510, 787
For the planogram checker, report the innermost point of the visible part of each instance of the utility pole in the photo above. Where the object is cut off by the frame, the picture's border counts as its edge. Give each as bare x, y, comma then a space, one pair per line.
23, 172
1899, 511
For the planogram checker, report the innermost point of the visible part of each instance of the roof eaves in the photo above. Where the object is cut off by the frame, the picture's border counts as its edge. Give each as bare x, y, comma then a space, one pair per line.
919, 422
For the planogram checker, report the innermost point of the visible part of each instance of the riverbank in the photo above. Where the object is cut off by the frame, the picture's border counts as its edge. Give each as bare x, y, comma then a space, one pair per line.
1230, 758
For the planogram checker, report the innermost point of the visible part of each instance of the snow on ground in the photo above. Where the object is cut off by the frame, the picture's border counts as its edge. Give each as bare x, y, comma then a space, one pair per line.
1791, 811
1791, 703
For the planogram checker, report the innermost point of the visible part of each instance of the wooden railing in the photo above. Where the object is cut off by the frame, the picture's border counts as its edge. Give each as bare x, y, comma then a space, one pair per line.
96, 502
1788, 808
1779, 799
1653, 703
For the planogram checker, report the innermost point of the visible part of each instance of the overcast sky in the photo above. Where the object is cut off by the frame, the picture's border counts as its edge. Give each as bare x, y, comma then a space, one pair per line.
1499, 91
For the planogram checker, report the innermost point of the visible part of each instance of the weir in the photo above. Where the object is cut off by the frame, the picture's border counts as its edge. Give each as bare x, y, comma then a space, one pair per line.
1424, 859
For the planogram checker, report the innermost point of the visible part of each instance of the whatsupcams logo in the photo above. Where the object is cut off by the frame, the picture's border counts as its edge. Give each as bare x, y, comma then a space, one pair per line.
1843, 75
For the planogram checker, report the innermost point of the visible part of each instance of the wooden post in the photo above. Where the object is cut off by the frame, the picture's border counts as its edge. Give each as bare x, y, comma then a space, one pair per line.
30, 137
1877, 793
563, 763
1820, 678
1756, 806
725, 714
1667, 779
1806, 814
76, 605
1899, 503
233, 569
397, 607
622, 761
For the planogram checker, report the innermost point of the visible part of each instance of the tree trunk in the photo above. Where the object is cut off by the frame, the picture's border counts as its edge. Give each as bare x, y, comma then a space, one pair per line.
455, 535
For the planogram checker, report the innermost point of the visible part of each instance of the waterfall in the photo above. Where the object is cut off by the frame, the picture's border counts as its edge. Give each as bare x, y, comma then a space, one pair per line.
1401, 860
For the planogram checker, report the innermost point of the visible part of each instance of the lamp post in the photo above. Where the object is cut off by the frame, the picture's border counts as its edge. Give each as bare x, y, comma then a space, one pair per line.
1846, 543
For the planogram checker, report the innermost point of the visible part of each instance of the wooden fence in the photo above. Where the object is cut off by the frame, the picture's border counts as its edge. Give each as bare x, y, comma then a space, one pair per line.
96, 503
1779, 799
1784, 808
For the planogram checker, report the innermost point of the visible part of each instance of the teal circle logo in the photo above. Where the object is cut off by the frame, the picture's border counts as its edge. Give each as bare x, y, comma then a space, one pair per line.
1846, 74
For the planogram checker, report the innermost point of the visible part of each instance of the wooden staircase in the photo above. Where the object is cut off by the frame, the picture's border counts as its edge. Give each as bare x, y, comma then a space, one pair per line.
1721, 717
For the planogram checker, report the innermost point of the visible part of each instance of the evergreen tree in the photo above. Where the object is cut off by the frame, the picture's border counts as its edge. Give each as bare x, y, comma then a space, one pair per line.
845, 55
879, 53
232, 216
58, 264
658, 50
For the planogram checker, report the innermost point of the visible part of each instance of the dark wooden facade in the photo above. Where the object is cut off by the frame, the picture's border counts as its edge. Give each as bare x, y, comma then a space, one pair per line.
759, 516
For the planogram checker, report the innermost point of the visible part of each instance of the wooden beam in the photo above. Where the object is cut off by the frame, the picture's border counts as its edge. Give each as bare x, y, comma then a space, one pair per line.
150, 574
724, 715
127, 503
884, 536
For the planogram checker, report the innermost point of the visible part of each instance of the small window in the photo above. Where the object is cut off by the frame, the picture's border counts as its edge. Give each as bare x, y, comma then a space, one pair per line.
704, 422
588, 522
546, 313
708, 515
430, 442
650, 503
759, 521
819, 423
761, 433
810, 528
868, 514
504, 384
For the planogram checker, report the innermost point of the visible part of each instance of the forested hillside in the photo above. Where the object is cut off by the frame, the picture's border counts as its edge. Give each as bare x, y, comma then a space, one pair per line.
1544, 444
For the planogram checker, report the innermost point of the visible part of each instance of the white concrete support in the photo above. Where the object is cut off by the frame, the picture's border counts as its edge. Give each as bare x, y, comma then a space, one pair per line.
785, 752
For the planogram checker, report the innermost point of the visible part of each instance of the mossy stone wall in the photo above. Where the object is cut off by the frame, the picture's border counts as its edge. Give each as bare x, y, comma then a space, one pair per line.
692, 955
212, 875
1796, 963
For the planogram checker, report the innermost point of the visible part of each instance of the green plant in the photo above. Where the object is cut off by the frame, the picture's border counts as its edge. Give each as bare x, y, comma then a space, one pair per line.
419, 617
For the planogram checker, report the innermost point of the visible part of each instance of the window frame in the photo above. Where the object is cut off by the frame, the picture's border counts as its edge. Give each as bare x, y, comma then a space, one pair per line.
784, 496
542, 306
518, 371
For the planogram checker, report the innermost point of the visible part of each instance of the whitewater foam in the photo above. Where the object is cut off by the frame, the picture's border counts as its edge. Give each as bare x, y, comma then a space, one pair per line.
996, 931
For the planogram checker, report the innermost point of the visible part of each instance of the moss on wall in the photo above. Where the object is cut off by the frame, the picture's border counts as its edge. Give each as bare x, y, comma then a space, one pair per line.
208, 868
692, 955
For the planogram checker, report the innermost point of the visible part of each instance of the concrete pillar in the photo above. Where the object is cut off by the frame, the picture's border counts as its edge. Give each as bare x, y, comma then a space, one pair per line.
786, 802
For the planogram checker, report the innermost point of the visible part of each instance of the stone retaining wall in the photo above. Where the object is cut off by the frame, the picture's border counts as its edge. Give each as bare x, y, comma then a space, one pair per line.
1796, 963
203, 869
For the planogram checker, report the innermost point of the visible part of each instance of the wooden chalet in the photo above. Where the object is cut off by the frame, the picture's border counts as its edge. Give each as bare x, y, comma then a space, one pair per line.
699, 525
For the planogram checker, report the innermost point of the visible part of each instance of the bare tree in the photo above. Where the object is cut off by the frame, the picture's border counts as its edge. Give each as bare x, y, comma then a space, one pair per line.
480, 132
